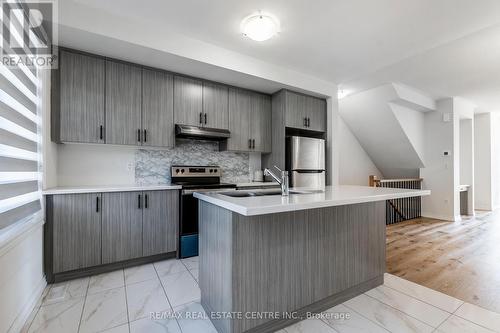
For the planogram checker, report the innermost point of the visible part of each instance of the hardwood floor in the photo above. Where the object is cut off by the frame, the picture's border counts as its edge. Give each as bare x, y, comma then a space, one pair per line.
461, 259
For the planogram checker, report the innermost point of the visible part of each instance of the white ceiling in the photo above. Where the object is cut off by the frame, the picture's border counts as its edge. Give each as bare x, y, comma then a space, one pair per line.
346, 41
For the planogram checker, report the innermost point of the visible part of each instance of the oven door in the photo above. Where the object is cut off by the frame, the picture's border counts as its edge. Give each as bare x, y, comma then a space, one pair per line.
188, 224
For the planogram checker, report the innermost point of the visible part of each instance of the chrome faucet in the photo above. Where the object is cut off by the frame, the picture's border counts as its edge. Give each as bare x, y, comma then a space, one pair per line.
283, 180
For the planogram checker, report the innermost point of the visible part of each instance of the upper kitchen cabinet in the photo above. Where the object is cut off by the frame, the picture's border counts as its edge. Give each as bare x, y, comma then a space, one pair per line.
78, 99
261, 124
215, 106
249, 121
305, 112
316, 114
188, 101
295, 115
157, 109
239, 119
123, 103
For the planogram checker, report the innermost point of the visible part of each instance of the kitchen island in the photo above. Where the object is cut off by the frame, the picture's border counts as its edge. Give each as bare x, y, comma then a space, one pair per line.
267, 261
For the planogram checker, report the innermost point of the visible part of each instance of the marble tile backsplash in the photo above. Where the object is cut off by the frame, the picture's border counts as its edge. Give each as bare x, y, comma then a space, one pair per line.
153, 166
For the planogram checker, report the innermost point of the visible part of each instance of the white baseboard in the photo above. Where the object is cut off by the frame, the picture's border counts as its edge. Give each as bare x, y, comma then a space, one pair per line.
21, 319
439, 216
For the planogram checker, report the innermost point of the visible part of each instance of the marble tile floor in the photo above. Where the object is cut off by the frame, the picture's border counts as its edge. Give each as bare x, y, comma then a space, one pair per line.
122, 301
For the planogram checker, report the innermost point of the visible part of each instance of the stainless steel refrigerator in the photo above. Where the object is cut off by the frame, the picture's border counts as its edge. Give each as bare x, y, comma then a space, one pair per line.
305, 160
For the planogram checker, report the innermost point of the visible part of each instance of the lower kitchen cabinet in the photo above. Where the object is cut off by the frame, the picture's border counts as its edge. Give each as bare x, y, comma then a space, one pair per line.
86, 231
121, 226
159, 222
76, 225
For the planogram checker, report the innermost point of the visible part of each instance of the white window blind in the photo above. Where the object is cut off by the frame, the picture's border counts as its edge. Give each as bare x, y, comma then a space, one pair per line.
20, 177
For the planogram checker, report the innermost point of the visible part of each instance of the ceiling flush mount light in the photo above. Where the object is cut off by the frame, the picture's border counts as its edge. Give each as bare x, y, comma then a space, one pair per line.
341, 93
260, 26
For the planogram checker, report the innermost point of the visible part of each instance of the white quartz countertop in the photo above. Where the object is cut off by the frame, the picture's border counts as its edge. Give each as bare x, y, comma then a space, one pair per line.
332, 196
257, 184
107, 188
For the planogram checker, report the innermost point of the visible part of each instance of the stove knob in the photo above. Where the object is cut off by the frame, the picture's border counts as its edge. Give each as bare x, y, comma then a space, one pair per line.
215, 170
182, 170
176, 170
211, 170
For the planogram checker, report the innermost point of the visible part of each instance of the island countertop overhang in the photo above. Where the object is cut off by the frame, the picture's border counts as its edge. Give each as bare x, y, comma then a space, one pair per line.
332, 196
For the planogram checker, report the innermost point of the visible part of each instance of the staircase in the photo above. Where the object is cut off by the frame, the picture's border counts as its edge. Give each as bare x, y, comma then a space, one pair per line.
388, 122
398, 210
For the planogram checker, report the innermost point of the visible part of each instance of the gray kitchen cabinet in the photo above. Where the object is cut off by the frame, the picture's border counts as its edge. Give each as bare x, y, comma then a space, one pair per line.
160, 219
121, 226
260, 123
316, 113
249, 121
78, 99
239, 119
215, 106
76, 225
188, 101
295, 115
157, 109
123, 103
305, 112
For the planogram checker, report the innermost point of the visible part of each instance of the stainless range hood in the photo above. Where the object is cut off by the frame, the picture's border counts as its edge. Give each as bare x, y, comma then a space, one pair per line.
195, 132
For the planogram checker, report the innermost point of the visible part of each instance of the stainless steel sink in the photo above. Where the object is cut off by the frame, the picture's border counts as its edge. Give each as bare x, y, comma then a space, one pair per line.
246, 194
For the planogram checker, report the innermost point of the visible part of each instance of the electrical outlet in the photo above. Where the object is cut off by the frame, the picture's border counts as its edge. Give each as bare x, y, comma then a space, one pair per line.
130, 166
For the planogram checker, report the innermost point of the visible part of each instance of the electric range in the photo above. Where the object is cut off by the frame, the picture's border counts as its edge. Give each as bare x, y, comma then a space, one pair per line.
193, 179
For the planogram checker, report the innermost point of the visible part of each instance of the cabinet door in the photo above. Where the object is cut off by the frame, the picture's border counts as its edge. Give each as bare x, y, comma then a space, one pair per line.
266, 124
295, 110
215, 106
121, 226
160, 219
188, 105
123, 103
316, 112
260, 122
239, 117
76, 222
81, 105
157, 109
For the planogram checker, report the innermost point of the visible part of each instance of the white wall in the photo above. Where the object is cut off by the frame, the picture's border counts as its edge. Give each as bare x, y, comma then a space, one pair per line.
49, 148
95, 165
438, 173
354, 163
21, 276
467, 161
495, 178
442, 173
483, 161
413, 124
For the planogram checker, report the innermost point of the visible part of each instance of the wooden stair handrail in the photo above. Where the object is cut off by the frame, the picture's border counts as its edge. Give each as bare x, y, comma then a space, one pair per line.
374, 180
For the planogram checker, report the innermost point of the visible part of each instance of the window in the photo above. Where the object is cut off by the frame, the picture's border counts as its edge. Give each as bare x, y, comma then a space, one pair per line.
20, 121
